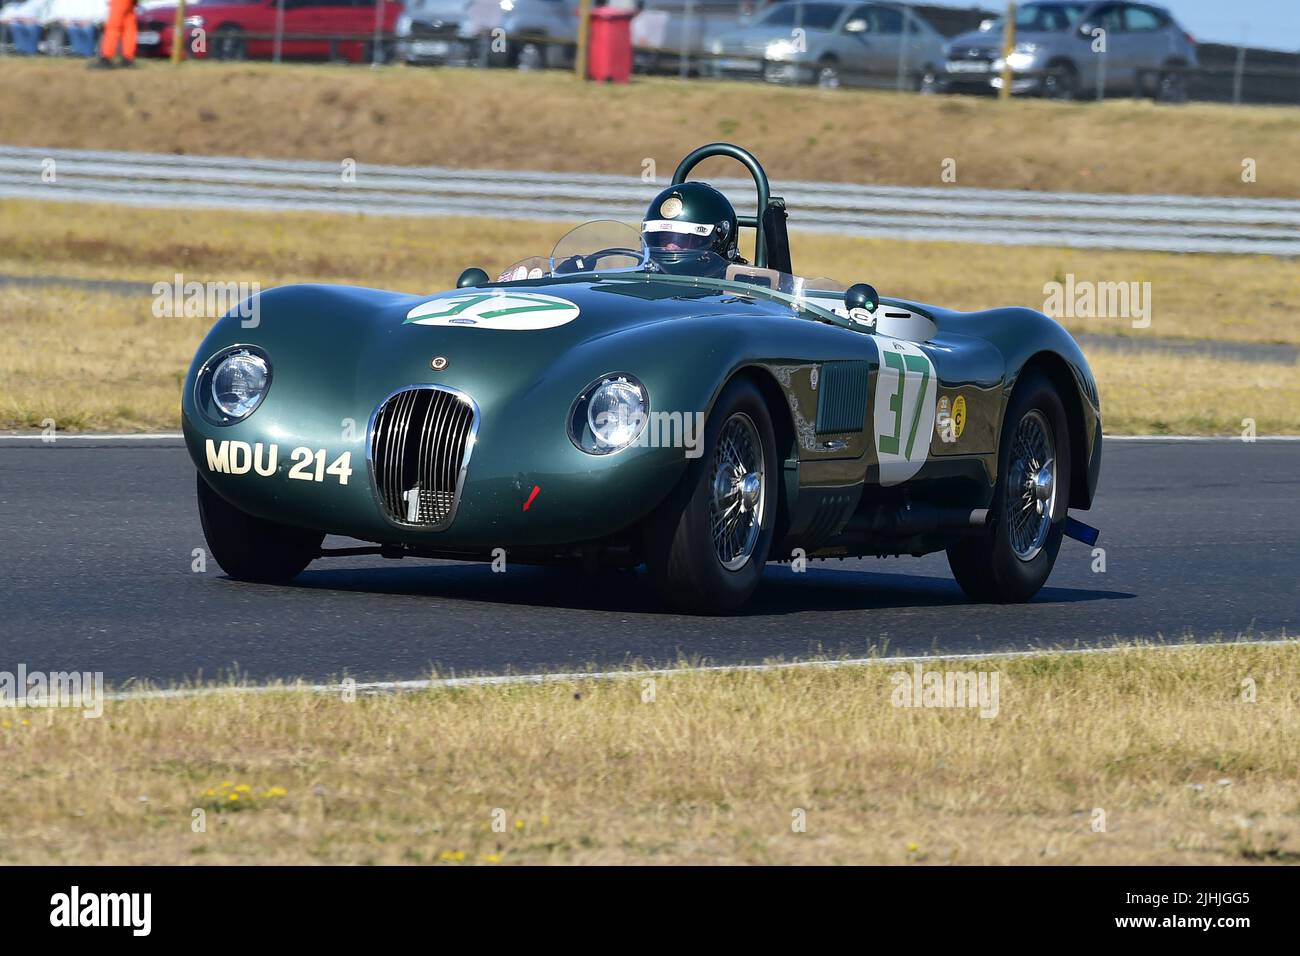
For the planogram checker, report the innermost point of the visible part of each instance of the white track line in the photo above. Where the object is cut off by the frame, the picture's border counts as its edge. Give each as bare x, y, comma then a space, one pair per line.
568, 678
1201, 438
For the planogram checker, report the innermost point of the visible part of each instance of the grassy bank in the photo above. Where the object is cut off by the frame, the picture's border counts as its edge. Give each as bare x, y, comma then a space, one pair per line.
61, 345
508, 120
1150, 756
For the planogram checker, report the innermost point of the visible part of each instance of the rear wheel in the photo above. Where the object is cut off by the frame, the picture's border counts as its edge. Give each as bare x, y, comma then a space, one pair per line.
229, 43
250, 548
706, 546
1171, 87
1012, 558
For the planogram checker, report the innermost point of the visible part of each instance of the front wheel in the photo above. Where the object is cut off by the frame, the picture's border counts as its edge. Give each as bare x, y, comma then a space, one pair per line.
1061, 82
250, 548
706, 546
1012, 558
828, 75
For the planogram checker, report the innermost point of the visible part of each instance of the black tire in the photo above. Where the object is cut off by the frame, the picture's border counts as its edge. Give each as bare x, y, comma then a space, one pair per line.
530, 56
680, 555
253, 549
987, 566
229, 43
1061, 82
827, 75
1171, 87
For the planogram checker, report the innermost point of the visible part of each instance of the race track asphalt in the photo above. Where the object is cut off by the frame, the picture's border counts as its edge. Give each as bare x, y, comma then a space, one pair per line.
97, 537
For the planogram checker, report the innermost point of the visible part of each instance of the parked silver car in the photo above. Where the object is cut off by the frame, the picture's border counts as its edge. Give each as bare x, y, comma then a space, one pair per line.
446, 31
525, 33
1068, 49
831, 44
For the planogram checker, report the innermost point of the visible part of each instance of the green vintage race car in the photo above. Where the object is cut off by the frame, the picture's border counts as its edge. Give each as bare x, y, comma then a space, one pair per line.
644, 397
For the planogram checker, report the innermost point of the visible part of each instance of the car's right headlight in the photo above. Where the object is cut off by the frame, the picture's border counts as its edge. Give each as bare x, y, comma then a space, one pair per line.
610, 414
232, 384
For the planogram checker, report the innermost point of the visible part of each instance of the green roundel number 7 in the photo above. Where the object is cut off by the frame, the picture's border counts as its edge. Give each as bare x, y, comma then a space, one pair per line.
903, 364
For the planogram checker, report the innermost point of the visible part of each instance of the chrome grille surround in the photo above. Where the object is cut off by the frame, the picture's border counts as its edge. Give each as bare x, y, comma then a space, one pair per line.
418, 446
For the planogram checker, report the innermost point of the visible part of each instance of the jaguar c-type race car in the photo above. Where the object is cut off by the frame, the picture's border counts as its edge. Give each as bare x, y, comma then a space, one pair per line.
645, 396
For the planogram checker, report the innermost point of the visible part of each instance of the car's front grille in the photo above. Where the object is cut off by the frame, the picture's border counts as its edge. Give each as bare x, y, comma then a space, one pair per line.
420, 442
434, 29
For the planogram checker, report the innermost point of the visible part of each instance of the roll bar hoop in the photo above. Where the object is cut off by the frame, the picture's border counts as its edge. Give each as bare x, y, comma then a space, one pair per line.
746, 158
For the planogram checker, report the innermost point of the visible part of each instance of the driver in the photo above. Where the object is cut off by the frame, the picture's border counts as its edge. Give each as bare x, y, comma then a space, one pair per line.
691, 229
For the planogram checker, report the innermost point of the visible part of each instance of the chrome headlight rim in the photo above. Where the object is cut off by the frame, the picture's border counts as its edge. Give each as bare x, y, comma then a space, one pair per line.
206, 401
581, 433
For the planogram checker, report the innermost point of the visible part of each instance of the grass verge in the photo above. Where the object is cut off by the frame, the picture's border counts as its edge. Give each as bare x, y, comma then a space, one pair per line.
62, 345
1147, 755
503, 119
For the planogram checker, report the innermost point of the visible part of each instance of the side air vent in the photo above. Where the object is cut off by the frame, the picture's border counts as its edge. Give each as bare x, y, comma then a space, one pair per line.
842, 397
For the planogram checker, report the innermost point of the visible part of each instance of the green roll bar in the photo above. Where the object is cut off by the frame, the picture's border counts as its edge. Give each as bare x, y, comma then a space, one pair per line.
746, 158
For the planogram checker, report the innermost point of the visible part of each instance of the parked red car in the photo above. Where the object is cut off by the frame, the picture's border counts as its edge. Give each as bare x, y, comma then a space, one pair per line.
245, 29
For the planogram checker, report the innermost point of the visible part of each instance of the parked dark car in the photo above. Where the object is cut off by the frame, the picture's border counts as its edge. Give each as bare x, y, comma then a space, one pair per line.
1067, 49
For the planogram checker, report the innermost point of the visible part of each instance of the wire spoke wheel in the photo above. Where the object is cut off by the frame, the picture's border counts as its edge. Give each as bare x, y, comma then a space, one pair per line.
739, 492
1030, 499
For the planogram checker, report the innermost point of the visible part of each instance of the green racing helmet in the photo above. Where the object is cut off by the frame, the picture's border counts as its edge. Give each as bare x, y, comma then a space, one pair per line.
691, 227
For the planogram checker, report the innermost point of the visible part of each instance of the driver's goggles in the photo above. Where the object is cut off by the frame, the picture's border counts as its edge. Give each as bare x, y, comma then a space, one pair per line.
675, 235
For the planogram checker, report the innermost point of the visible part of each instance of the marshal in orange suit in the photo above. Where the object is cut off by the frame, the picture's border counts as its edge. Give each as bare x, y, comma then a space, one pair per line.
120, 26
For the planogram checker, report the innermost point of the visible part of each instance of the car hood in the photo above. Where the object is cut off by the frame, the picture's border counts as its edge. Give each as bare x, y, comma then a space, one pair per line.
753, 39
990, 41
365, 342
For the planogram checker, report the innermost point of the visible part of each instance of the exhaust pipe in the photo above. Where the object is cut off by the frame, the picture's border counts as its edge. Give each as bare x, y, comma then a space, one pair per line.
913, 519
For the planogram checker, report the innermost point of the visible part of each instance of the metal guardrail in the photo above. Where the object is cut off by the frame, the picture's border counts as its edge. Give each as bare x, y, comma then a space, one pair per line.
954, 214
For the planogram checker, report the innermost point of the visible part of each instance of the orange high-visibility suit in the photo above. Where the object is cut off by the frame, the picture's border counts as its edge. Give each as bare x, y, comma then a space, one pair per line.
120, 25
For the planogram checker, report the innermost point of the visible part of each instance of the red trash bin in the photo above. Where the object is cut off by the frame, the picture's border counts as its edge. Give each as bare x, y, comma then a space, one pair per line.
609, 44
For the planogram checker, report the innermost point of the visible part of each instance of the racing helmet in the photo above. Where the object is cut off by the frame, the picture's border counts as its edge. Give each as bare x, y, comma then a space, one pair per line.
690, 224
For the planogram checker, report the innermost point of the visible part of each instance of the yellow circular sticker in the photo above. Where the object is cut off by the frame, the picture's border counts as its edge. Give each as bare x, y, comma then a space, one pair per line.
959, 415
671, 208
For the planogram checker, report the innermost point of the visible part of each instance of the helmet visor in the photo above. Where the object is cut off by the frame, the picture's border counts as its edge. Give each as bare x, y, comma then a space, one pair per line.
672, 235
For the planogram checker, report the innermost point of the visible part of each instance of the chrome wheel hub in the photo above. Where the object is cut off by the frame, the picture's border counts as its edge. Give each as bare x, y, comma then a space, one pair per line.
1031, 486
739, 500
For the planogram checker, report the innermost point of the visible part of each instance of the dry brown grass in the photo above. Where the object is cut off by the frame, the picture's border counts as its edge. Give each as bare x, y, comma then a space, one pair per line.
1234, 298
61, 345
713, 770
549, 121
1158, 393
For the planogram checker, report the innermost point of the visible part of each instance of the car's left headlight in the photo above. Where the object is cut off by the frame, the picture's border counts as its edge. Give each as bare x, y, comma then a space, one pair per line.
1022, 58
232, 384
610, 414
781, 50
